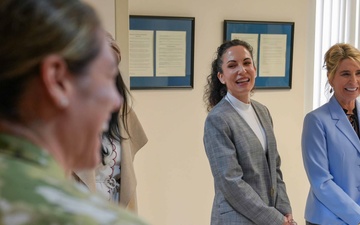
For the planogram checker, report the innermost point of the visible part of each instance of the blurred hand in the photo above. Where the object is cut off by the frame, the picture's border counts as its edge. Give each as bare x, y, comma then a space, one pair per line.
286, 221
290, 219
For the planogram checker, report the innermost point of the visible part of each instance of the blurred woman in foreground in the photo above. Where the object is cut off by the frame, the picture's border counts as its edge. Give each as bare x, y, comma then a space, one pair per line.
57, 93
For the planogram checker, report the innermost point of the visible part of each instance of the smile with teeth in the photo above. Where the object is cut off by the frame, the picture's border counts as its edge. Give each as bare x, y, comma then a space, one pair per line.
244, 80
352, 89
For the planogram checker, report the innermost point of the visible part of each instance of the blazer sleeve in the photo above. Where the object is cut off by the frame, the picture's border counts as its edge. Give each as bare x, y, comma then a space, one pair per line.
129, 147
228, 174
137, 134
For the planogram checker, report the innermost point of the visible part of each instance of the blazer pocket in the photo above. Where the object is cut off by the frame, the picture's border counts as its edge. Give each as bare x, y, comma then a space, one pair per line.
229, 216
225, 207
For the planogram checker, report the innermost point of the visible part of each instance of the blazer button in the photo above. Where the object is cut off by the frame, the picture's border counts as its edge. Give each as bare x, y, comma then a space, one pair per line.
272, 192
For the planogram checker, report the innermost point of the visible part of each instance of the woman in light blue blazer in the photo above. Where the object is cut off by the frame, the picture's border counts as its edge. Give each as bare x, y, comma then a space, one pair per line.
331, 145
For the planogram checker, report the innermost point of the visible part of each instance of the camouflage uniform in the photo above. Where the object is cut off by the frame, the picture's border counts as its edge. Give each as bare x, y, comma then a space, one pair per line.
34, 190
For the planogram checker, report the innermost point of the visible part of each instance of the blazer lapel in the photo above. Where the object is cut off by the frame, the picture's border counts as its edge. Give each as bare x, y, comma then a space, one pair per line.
234, 113
342, 122
230, 111
271, 153
262, 116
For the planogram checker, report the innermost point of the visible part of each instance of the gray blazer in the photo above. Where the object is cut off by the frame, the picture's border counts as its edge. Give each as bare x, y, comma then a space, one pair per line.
249, 188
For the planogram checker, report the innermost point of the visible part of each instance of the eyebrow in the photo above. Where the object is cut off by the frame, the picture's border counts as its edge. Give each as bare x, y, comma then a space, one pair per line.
348, 71
232, 60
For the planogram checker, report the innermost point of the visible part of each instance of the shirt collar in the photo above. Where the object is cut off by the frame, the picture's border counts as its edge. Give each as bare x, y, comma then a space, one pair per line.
237, 103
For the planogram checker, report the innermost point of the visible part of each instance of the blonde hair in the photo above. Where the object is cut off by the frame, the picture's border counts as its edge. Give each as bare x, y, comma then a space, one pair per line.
338, 53
114, 47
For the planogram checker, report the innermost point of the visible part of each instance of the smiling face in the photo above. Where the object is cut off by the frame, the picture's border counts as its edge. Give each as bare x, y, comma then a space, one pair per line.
346, 82
238, 72
94, 98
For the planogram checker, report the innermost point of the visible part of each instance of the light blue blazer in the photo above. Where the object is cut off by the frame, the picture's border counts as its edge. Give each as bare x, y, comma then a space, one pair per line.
331, 154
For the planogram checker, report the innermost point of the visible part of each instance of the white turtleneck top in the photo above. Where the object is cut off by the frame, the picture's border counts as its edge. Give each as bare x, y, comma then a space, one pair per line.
247, 112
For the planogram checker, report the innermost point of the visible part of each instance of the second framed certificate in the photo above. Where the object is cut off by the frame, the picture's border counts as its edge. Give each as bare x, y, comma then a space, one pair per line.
272, 44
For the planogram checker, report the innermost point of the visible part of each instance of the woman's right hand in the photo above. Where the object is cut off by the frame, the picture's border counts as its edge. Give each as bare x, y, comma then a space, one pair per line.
288, 221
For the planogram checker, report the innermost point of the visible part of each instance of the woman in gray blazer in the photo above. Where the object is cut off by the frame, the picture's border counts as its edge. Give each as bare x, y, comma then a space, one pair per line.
331, 144
241, 146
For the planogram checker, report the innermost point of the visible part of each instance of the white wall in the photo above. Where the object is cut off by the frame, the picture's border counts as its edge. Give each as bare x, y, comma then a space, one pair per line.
175, 185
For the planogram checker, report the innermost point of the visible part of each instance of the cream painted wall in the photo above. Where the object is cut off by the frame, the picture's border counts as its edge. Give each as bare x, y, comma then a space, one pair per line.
106, 10
115, 17
175, 185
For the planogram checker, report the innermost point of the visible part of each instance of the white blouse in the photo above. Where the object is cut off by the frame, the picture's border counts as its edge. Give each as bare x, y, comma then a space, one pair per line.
108, 176
247, 112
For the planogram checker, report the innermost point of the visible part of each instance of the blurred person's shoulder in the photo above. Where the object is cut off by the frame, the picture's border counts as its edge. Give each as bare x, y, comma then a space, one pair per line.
34, 190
